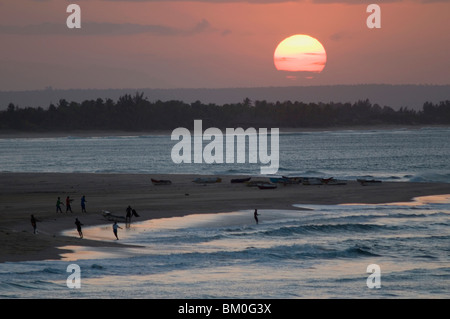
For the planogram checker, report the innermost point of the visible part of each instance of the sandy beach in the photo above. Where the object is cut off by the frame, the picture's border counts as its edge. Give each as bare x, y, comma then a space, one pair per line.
23, 194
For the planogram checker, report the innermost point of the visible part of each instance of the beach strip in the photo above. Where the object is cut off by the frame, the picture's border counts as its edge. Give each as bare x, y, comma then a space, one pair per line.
23, 194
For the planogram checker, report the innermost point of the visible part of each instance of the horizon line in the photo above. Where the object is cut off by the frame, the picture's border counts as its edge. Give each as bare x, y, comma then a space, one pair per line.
51, 88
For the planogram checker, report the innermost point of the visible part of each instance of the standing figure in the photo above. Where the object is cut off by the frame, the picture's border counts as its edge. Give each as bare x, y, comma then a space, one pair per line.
78, 223
128, 216
68, 207
255, 214
33, 223
58, 205
115, 226
83, 204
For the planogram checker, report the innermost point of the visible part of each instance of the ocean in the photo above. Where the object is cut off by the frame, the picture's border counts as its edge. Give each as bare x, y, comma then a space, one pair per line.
397, 250
418, 155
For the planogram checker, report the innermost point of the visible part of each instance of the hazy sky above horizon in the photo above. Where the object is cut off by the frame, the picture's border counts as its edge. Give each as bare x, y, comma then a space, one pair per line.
218, 43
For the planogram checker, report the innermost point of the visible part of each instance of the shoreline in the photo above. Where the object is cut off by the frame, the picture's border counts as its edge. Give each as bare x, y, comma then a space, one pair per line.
285, 130
23, 194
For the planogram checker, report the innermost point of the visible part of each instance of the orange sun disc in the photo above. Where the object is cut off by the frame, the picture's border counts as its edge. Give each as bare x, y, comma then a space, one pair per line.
300, 53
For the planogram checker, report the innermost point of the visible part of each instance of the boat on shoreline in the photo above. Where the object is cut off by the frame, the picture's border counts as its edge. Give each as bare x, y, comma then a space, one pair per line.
240, 180
312, 181
207, 180
337, 182
286, 180
161, 182
333, 181
266, 185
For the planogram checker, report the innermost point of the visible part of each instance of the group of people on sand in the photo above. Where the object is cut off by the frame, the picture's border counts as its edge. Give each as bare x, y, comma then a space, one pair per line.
69, 206
129, 213
115, 226
80, 232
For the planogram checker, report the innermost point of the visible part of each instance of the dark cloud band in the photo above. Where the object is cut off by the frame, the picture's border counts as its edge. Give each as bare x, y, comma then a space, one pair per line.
94, 28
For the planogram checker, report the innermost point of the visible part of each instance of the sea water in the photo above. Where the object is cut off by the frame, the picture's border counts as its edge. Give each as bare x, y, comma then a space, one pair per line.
309, 251
395, 155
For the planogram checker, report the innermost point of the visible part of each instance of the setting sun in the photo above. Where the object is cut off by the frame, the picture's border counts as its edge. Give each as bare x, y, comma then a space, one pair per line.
300, 53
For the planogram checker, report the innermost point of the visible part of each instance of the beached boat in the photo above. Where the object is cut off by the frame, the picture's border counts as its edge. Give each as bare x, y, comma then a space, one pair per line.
312, 181
285, 180
161, 182
205, 180
253, 183
333, 181
266, 185
327, 180
293, 180
276, 180
337, 182
240, 180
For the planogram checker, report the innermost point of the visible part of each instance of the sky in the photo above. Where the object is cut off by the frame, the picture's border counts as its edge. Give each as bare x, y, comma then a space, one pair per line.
218, 43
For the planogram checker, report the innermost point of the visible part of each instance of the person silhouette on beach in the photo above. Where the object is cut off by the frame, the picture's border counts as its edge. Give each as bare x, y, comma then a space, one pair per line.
83, 204
58, 205
255, 214
115, 226
128, 216
79, 224
33, 223
68, 207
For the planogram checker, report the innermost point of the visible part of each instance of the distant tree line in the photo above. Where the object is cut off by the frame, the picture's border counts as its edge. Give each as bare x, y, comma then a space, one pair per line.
136, 113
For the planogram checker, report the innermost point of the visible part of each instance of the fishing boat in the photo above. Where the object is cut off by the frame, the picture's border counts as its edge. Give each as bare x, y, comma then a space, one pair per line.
312, 181
253, 183
206, 180
285, 180
266, 185
336, 182
240, 180
333, 181
293, 180
327, 180
161, 182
